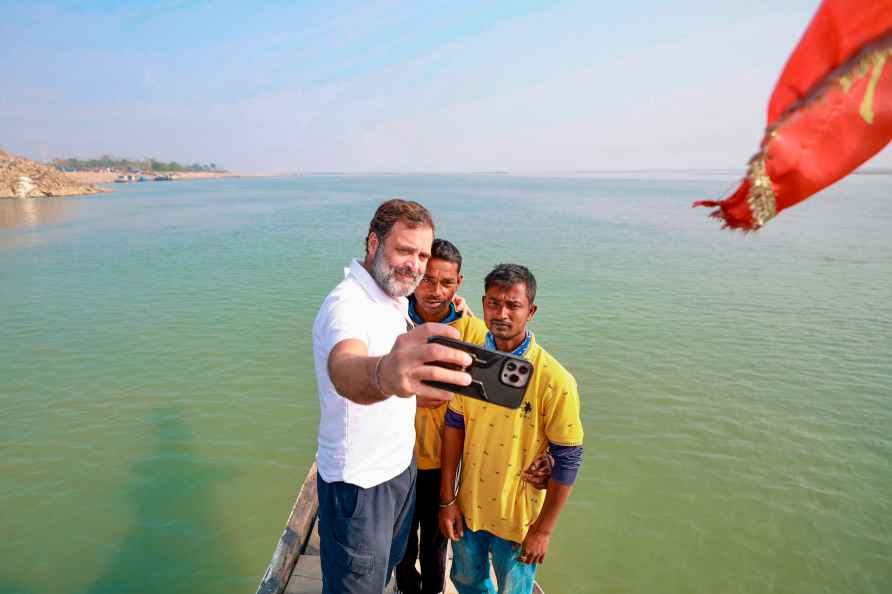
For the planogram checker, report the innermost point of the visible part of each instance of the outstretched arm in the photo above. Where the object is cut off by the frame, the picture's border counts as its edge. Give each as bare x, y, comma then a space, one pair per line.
366, 380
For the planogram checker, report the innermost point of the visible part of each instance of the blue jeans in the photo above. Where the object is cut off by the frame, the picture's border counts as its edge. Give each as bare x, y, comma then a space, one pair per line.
363, 532
470, 565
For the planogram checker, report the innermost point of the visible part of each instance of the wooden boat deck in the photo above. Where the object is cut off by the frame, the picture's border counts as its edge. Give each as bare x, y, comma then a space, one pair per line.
295, 567
306, 578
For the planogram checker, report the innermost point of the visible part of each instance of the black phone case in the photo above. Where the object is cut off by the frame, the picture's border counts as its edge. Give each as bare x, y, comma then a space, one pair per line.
497, 377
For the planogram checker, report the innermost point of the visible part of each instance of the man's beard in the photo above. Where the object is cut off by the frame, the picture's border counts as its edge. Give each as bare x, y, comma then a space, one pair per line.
385, 274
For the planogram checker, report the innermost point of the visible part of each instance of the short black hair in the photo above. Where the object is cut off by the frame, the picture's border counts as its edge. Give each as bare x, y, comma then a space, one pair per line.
446, 250
508, 275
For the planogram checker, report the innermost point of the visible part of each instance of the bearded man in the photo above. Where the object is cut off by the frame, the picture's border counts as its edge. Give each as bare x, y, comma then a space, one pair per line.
370, 365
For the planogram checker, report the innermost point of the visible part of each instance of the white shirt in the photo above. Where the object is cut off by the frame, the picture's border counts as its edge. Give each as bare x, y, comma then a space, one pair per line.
365, 445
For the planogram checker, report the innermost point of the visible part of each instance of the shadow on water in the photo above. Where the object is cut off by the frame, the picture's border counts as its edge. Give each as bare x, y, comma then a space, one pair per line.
9, 587
177, 544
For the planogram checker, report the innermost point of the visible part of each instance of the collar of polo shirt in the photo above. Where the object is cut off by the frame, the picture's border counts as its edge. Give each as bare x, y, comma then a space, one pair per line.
374, 290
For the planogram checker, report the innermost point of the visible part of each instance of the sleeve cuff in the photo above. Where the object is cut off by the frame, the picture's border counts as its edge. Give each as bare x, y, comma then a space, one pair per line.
454, 419
567, 460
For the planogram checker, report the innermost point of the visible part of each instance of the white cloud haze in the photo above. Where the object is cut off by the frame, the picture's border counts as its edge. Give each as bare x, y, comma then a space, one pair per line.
399, 86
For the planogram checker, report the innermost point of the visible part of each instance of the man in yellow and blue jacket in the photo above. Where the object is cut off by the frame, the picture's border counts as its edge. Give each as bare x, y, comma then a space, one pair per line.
500, 510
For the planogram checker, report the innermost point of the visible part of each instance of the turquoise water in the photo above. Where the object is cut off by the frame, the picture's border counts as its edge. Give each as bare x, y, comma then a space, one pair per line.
159, 407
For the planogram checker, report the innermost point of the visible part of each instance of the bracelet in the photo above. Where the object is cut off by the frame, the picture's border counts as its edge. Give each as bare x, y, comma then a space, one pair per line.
450, 504
376, 380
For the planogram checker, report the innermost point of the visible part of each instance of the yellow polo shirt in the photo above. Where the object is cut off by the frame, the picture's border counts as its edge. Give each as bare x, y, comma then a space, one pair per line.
430, 422
500, 443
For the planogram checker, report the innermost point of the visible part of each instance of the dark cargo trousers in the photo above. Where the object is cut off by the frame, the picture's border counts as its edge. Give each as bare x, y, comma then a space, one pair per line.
363, 532
430, 547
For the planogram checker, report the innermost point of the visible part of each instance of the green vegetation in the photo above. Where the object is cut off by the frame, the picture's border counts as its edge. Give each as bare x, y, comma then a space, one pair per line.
119, 164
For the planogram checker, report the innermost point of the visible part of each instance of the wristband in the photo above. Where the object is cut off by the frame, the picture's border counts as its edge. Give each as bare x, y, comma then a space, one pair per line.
376, 380
449, 504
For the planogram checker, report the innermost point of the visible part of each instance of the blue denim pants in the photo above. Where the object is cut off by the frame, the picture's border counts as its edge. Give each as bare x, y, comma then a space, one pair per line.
470, 565
363, 532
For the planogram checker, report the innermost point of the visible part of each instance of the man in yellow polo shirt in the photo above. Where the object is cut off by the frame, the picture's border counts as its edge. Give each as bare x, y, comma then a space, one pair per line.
433, 302
501, 510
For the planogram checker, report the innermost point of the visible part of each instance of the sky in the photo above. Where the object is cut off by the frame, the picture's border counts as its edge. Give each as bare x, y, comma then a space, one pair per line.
391, 86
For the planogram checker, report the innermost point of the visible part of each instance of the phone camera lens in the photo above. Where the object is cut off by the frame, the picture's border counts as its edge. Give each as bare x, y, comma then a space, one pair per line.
523, 369
514, 378
510, 366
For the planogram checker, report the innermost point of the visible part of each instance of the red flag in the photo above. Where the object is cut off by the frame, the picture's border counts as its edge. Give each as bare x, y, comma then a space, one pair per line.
830, 112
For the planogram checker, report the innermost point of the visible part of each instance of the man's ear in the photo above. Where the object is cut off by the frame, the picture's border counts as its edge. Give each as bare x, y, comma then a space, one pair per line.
533, 309
373, 245
460, 279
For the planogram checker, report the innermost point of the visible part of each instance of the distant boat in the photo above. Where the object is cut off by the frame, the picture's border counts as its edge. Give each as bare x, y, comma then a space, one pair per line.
162, 178
142, 178
123, 179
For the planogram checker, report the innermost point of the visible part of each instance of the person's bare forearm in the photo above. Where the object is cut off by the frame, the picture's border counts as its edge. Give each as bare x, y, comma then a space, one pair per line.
402, 372
453, 446
555, 498
449, 517
353, 374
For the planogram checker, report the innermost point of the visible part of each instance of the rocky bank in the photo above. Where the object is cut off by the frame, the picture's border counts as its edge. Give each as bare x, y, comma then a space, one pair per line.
23, 178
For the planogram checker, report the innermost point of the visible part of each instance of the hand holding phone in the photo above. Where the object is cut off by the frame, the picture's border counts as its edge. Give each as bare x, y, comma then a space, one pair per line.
404, 370
496, 377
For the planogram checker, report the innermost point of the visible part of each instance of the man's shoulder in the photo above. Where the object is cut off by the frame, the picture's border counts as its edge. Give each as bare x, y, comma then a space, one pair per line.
472, 329
349, 288
347, 292
346, 303
550, 369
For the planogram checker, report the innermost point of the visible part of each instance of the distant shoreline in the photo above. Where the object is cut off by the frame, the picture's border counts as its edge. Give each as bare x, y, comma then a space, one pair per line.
101, 177
553, 173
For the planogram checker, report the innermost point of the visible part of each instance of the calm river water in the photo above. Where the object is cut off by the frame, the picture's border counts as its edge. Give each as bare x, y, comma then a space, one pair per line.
159, 405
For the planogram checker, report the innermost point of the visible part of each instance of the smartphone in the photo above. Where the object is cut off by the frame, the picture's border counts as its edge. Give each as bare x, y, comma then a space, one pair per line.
497, 377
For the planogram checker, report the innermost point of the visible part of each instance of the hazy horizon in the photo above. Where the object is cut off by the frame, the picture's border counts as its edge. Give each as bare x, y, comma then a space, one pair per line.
421, 87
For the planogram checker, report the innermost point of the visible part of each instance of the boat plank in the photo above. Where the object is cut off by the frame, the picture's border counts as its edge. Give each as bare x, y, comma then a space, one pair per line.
295, 535
308, 566
313, 543
299, 584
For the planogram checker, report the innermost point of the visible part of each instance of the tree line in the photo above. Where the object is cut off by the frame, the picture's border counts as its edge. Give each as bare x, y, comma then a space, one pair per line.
110, 162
